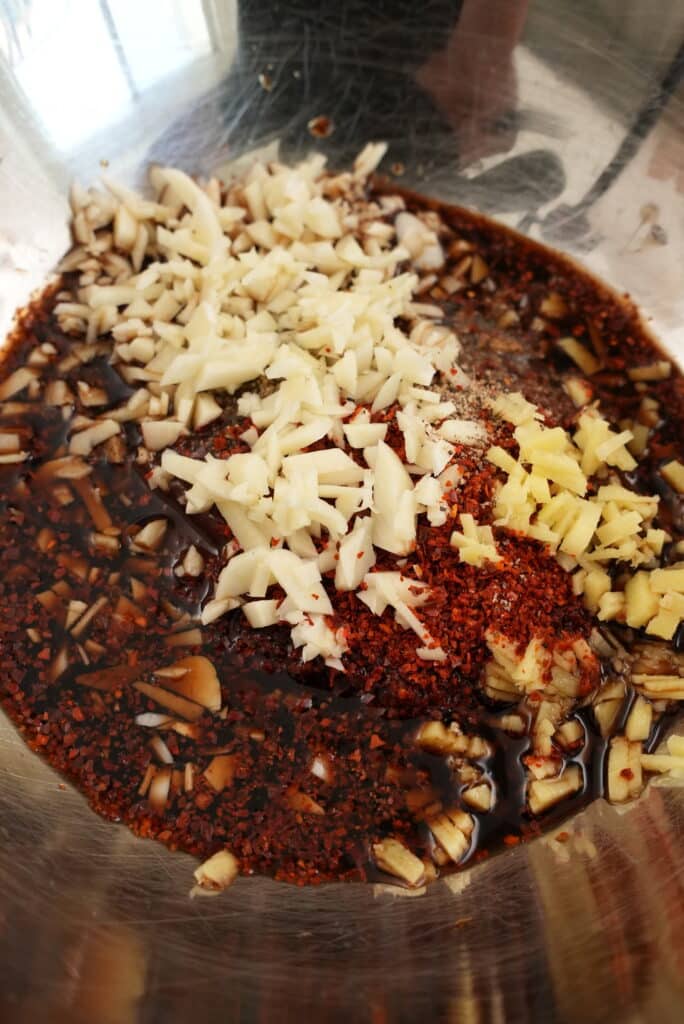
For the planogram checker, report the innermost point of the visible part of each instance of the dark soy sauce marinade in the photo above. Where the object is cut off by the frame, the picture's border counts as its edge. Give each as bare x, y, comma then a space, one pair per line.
278, 714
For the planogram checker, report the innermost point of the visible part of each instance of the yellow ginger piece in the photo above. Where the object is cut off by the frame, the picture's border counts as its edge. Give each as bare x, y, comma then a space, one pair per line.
673, 472
595, 584
580, 355
537, 668
670, 614
476, 543
671, 763
543, 497
652, 599
602, 446
551, 453
641, 602
515, 408
521, 673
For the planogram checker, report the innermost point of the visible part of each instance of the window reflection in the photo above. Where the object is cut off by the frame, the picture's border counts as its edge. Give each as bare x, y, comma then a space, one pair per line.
81, 64
157, 42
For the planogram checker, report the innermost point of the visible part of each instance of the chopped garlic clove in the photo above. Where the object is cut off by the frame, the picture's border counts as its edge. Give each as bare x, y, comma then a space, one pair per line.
397, 860
218, 872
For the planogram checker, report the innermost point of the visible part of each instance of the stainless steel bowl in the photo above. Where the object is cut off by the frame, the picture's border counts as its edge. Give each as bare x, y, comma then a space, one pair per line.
572, 132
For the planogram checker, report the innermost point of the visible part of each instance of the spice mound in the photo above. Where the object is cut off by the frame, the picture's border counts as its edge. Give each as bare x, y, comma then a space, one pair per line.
343, 529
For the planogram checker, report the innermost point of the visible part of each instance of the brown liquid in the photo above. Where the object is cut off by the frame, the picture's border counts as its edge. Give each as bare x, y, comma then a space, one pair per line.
280, 714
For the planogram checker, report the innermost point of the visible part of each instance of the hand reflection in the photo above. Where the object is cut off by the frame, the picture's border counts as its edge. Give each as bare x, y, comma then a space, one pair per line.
473, 79
436, 81
392, 69
667, 161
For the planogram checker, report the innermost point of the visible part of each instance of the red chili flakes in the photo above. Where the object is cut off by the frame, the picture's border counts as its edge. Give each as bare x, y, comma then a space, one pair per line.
528, 596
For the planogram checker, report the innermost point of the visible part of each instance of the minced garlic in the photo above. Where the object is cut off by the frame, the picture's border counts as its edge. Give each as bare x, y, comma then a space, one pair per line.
293, 280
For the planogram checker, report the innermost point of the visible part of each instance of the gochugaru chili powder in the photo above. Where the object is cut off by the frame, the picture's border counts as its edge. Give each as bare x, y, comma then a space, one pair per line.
526, 596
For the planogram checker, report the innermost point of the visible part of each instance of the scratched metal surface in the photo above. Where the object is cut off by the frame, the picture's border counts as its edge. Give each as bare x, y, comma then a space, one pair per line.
95, 925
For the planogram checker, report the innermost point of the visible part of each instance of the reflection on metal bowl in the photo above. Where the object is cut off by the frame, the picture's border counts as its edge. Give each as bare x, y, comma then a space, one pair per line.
575, 138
